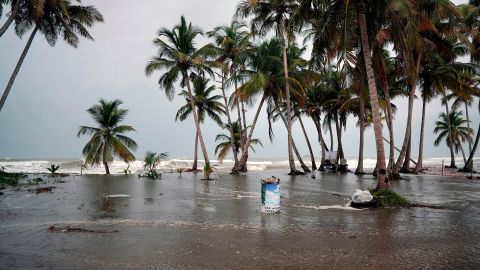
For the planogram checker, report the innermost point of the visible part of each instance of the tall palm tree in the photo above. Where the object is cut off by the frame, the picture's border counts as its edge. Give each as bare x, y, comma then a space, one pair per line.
222, 148
469, 164
178, 57
107, 140
268, 15
59, 18
382, 181
263, 77
14, 7
206, 104
232, 42
451, 129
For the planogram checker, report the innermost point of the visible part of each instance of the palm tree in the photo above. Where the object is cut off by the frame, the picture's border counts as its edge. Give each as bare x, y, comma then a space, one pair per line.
452, 130
107, 140
58, 18
268, 15
382, 181
232, 42
263, 77
15, 5
469, 164
222, 148
206, 104
179, 57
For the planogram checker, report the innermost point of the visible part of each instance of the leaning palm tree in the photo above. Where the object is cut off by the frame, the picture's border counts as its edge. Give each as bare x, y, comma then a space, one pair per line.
58, 18
179, 58
223, 147
451, 129
206, 104
273, 15
107, 140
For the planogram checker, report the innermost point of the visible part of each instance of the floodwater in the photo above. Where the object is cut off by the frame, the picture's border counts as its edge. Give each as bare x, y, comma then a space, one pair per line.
185, 223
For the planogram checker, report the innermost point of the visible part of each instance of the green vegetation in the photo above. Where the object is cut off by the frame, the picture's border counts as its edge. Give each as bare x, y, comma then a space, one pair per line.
208, 170
11, 179
53, 169
180, 170
107, 140
150, 163
454, 131
389, 198
53, 19
206, 104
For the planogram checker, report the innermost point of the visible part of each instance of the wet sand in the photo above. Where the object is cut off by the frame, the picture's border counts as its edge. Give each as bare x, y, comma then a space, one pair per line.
185, 223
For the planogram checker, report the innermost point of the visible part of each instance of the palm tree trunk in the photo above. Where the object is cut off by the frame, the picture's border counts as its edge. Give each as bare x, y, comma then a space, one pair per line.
419, 166
323, 146
331, 135
382, 181
312, 157
104, 154
17, 68
107, 170
10, 19
195, 154
406, 162
450, 139
243, 159
468, 125
229, 121
361, 119
338, 126
411, 99
391, 156
287, 97
294, 147
195, 116
463, 152
469, 164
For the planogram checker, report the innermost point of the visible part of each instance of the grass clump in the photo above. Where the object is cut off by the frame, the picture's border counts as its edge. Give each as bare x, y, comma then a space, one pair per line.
389, 198
11, 179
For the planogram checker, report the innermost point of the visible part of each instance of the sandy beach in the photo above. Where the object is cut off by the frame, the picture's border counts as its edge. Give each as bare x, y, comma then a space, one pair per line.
185, 223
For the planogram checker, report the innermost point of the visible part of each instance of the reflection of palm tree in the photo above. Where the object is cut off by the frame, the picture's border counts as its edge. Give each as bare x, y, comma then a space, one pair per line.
107, 139
206, 104
453, 131
226, 141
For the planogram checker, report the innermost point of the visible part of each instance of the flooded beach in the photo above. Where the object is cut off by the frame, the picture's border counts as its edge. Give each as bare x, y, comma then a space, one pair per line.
182, 222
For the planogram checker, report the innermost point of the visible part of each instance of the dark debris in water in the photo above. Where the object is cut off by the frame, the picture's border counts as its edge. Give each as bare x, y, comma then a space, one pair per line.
42, 189
69, 229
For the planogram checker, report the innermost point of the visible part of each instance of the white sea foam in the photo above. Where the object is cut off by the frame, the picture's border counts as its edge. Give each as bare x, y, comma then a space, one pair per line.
136, 167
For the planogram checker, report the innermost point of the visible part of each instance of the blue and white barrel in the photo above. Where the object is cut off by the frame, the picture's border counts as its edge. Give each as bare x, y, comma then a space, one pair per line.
270, 198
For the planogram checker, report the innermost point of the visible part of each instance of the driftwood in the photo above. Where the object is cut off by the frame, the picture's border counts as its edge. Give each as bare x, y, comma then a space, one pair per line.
42, 190
72, 229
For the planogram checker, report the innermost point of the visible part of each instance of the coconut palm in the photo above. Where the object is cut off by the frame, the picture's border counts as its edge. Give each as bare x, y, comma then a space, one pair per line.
178, 57
14, 7
268, 15
221, 150
107, 140
469, 164
232, 42
263, 77
57, 18
453, 131
206, 104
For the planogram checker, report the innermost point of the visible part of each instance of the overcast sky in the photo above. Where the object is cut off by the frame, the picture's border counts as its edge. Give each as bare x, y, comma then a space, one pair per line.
57, 84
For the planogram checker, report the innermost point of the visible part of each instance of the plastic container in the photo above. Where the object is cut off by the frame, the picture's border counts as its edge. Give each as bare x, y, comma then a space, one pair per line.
270, 195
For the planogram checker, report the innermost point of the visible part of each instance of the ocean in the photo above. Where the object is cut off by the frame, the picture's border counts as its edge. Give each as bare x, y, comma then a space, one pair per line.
73, 166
